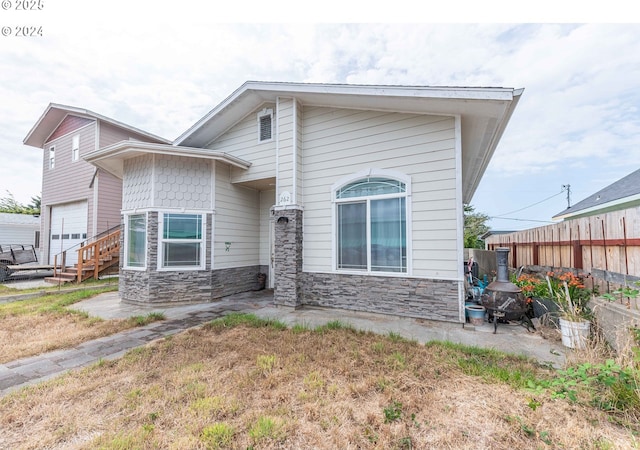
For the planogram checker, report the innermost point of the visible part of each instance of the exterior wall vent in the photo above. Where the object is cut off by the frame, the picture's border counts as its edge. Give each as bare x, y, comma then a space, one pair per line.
265, 125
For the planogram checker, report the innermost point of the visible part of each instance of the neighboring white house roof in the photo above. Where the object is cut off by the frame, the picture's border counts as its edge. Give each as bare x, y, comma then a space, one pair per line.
485, 112
112, 158
19, 219
55, 114
624, 193
485, 235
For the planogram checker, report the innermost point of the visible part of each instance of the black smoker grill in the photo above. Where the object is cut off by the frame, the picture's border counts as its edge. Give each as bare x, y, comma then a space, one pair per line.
503, 299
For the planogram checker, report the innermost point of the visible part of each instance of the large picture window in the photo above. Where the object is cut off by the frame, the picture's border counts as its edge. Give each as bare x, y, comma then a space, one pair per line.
136, 236
181, 241
371, 226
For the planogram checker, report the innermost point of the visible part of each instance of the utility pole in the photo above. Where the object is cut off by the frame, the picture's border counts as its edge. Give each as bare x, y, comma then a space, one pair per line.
568, 188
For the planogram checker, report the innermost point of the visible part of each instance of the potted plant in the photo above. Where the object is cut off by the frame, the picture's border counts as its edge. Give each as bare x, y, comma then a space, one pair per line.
537, 292
574, 318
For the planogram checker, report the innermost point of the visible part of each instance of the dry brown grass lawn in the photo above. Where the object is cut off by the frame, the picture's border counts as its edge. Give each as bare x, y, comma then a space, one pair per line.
265, 388
31, 327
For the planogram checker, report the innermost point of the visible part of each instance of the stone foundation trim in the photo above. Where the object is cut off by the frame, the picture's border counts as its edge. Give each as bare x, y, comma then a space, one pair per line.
409, 297
183, 288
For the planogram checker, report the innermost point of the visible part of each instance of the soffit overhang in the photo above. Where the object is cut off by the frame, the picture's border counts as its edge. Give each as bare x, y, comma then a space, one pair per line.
112, 158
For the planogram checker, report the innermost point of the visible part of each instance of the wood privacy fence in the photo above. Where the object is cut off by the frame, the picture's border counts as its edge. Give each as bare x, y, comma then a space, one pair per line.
607, 246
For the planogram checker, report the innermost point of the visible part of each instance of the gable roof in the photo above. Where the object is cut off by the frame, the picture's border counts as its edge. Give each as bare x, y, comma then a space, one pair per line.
485, 112
624, 193
55, 113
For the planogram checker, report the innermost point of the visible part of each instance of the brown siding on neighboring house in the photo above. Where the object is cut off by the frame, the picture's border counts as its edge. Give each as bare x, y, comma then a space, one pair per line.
109, 201
110, 134
69, 124
69, 180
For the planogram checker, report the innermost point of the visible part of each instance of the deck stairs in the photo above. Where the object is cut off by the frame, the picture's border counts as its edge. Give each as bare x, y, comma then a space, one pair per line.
94, 258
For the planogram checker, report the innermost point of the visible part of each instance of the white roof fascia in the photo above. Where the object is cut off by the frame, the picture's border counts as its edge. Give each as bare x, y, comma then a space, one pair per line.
459, 93
516, 94
609, 204
88, 114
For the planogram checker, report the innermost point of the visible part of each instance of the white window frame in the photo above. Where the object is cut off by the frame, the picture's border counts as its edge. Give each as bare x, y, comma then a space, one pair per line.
52, 157
266, 112
75, 148
125, 263
371, 173
202, 241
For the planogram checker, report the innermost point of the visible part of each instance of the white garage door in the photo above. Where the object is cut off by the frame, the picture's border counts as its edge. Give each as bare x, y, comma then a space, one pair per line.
68, 229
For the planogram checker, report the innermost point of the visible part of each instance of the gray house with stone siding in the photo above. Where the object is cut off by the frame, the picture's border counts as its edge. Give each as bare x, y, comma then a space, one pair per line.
346, 196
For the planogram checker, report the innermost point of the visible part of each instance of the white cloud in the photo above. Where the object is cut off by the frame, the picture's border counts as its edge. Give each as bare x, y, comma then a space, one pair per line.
163, 68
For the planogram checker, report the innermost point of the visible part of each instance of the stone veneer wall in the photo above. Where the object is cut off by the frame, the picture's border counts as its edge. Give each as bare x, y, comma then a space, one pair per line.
288, 256
165, 288
411, 297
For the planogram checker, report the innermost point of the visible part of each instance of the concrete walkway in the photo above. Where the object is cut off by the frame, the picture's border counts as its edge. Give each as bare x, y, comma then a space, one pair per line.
16, 374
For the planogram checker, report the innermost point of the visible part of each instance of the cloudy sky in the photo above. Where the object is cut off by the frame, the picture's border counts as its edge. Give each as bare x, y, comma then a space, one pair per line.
162, 65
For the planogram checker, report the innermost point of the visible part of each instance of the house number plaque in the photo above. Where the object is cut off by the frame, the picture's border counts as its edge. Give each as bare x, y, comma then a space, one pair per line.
285, 198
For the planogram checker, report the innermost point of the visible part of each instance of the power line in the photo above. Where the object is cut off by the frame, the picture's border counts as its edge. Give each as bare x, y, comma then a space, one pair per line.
534, 204
521, 220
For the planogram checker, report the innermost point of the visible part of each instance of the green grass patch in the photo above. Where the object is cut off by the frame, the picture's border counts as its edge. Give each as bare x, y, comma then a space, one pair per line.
141, 321
53, 303
491, 365
250, 320
218, 435
334, 325
267, 428
7, 290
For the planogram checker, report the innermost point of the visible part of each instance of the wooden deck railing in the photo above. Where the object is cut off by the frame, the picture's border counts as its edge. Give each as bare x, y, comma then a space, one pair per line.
96, 253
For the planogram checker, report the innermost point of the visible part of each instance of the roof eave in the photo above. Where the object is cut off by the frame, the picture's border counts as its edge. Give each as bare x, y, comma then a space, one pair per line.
38, 139
495, 140
111, 158
566, 214
275, 89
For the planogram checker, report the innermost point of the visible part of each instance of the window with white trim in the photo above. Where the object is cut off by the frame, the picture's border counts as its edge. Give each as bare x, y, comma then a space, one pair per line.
52, 157
371, 225
136, 241
75, 148
181, 241
265, 125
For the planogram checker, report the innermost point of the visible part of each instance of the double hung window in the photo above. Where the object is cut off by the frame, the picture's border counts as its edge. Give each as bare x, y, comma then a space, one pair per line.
371, 225
181, 241
136, 240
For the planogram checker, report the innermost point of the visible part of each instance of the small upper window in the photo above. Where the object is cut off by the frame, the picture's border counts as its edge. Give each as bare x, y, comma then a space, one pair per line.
265, 124
52, 157
75, 148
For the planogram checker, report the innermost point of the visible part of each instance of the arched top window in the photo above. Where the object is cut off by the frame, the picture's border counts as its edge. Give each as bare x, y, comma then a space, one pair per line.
371, 186
371, 222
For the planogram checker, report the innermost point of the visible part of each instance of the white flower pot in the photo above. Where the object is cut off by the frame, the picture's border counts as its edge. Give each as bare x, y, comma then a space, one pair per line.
575, 334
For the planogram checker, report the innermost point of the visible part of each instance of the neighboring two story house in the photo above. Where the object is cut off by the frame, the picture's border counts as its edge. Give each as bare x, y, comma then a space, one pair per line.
79, 201
346, 196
